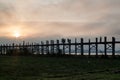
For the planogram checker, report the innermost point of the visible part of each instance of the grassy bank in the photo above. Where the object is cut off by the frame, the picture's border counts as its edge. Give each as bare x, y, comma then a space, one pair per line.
58, 68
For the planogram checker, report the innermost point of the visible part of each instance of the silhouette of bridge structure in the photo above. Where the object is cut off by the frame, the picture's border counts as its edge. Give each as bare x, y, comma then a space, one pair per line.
62, 47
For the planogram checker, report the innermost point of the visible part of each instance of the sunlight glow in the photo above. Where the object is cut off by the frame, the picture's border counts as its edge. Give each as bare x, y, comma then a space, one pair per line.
17, 34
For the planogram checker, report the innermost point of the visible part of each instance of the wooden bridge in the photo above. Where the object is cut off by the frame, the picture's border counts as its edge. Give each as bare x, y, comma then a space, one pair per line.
62, 47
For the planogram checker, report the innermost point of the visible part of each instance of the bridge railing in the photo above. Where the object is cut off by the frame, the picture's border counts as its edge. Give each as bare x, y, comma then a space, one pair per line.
62, 47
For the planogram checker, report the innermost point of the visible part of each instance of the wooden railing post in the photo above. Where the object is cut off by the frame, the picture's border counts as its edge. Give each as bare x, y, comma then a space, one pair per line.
13, 49
96, 47
113, 47
10, 47
31, 48
63, 42
52, 47
105, 46
7, 48
89, 49
82, 47
69, 43
58, 48
75, 46
42, 47
4, 49
47, 47
19, 46
100, 39
1, 49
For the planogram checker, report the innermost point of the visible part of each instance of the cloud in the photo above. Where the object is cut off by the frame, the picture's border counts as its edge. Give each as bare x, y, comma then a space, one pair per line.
6, 13
45, 19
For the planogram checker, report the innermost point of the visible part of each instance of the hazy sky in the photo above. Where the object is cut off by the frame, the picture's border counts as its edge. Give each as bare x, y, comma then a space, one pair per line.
47, 19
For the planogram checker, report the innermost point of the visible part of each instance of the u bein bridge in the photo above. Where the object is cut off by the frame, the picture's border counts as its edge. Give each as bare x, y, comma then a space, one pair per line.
63, 47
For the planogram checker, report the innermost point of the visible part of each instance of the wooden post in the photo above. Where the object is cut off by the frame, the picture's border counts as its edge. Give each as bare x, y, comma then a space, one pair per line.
47, 47
34, 47
100, 39
51, 50
10, 48
63, 41
113, 47
105, 46
52, 46
89, 48
69, 43
13, 45
42, 47
31, 47
75, 46
23, 43
19, 46
23, 47
6, 48
1, 49
96, 47
58, 47
37, 48
82, 47
13, 49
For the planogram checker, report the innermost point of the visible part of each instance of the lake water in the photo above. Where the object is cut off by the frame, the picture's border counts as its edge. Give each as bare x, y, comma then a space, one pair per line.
86, 53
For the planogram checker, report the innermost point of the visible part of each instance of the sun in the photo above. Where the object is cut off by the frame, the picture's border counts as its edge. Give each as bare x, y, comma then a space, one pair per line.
17, 34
